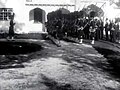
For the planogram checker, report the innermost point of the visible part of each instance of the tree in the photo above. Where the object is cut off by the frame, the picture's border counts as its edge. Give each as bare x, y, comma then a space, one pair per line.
94, 10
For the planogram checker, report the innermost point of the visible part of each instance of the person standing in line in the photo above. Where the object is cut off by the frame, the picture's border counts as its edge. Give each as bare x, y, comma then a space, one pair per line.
11, 28
101, 26
111, 29
116, 30
97, 35
106, 30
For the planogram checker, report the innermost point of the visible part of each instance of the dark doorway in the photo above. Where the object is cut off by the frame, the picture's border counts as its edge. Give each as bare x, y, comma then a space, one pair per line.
38, 15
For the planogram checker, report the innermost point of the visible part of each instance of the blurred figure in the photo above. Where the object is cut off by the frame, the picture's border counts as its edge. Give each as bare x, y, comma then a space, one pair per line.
106, 29
80, 34
97, 35
11, 28
80, 30
59, 33
112, 31
92, 34
101, 26
86, 29
116, 31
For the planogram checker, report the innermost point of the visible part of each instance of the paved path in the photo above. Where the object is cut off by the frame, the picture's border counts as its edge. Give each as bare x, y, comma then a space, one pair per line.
69, 67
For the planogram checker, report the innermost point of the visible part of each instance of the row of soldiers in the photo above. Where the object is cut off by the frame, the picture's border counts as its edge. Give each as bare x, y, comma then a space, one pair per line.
84, 28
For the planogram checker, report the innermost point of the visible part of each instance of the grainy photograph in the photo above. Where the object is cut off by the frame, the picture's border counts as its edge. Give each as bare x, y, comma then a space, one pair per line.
59, 44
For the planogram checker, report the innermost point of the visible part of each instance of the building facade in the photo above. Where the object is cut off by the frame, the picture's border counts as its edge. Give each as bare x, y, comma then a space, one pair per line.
31, 15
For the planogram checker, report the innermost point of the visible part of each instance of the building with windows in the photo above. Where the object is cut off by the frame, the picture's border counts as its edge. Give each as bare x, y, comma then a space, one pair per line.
31, 15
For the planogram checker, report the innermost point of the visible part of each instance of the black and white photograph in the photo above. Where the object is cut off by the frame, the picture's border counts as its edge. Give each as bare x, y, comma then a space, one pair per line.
59, 44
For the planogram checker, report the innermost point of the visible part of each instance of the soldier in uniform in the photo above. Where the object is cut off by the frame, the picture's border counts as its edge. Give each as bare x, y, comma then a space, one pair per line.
80, 30
86, 29
92, 30
80, 34
58, 26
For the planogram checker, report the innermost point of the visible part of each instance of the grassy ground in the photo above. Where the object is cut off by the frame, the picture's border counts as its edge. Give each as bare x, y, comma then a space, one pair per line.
69, 67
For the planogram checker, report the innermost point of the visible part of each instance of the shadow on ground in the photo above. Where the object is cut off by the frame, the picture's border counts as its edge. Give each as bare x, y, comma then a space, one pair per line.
53, 85
113, 61
14, 53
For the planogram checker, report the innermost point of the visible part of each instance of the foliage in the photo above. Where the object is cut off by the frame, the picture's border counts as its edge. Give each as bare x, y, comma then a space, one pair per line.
91, 11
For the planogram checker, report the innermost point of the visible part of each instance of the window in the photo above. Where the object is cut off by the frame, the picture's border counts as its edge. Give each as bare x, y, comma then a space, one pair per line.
5, 13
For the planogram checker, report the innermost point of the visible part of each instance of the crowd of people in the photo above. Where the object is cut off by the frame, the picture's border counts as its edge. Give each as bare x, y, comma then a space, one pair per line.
84, 28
